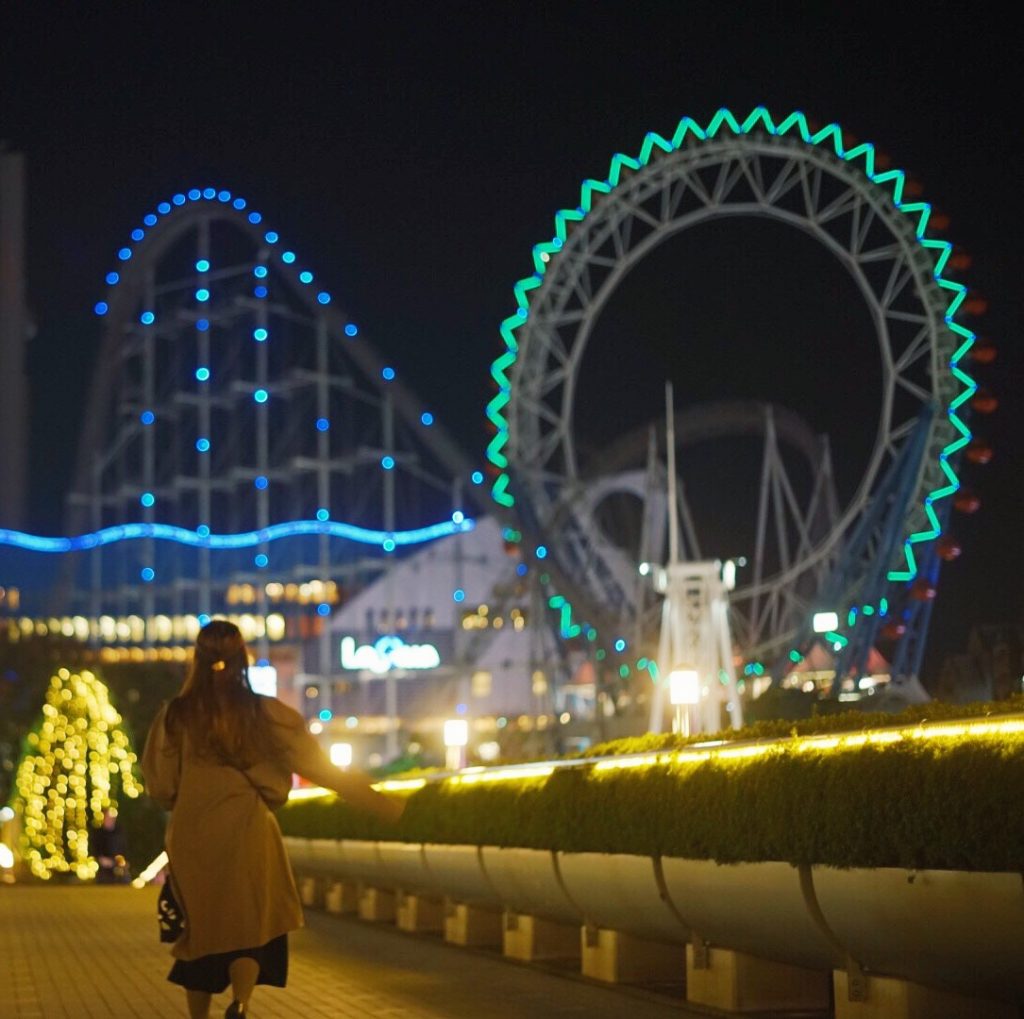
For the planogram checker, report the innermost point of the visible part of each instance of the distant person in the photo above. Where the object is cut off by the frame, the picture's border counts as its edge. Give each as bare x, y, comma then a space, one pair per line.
109, 845
221, 759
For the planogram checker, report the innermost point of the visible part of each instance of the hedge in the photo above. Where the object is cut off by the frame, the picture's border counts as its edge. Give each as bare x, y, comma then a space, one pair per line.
944, 803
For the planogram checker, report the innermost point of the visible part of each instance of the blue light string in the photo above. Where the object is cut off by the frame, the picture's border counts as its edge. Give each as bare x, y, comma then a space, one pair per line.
244, 539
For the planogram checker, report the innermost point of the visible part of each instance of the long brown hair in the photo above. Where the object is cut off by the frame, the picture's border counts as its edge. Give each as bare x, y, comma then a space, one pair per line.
224, 719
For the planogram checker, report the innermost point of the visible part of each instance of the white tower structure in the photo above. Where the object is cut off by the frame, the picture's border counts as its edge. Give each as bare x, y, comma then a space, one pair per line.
695, 635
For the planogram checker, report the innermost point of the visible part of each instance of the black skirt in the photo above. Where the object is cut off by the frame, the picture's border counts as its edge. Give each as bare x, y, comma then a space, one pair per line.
210, 972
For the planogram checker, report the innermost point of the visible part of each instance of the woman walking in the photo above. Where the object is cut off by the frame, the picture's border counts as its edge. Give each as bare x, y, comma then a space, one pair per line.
221, 759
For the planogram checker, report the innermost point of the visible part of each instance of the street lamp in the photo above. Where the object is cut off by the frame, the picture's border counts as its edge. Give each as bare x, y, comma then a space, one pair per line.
683, 691
456, 736
825, 621
341, 754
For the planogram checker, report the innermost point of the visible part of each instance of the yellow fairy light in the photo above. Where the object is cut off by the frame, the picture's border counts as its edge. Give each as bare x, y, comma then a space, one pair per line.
58, 793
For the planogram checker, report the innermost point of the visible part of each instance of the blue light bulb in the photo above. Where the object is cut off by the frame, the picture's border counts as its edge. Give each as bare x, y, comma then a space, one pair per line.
261, 482
388, 544
260, 271
147, 318
148, 573
147, 499
288, 256
388, 374
203, 374
149, 219
209, 193
112, 278
323, 515
178, 199
260, 291
270, 237
387, 462
426, 418
260, 396
203, 619
542, 552
323, 297
147, 417
202, 324
163, 208
203, 445
259, 335
195, 194
239, 203
351, 330
203, 531
261, 560
254, 218
138, 234
305, 276
202, 265
458, 595
477, 478
202, 294
124, 254
223, 196
323, 609
322, 424
101, 307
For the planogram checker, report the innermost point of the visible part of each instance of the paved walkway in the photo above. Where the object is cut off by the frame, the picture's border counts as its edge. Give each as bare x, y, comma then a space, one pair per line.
93, 953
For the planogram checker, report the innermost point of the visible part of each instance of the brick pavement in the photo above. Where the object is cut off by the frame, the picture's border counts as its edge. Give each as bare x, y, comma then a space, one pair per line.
92, 952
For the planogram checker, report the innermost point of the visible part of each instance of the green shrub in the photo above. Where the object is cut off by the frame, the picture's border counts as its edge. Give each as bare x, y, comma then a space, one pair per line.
946, 803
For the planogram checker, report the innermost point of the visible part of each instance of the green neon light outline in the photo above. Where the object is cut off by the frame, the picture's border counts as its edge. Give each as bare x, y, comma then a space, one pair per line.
759, 118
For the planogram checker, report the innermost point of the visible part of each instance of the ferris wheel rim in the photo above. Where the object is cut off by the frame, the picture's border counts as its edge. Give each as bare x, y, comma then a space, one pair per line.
884, 187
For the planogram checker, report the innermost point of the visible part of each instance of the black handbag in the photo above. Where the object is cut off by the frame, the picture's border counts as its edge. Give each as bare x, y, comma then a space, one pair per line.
169, 914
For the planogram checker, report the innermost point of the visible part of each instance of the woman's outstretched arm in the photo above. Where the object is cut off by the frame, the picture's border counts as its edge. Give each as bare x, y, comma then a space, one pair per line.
305, 757
352, 786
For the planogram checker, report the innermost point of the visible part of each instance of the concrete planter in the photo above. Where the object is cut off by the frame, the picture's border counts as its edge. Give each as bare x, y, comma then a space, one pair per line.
405, 867
885, 933
620, 893
459, 872
362, 863
300, 854
327, 859
758, 908
527, 881
956, 930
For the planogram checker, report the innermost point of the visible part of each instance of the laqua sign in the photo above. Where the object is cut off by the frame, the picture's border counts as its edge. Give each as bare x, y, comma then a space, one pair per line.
387, 653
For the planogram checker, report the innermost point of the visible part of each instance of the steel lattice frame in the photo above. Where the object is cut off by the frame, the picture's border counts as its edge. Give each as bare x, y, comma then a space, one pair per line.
755, 168
800, 520
230, 395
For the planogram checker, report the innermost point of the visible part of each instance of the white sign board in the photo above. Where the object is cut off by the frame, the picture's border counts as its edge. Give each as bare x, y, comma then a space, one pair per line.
387, 653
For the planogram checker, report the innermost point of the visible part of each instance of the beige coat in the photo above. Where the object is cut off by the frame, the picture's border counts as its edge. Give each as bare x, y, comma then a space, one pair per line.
224, 844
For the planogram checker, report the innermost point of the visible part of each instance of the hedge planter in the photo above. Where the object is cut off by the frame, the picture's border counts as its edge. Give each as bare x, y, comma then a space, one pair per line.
948, 929
750, 907
620, 893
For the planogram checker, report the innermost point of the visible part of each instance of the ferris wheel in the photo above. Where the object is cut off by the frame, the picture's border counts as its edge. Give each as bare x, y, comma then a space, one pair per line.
860, 213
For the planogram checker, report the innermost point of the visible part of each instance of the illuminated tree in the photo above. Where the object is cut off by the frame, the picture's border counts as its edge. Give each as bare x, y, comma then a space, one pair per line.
77, 762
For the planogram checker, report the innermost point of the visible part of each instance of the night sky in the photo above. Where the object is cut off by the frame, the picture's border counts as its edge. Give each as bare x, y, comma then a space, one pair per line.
413, 154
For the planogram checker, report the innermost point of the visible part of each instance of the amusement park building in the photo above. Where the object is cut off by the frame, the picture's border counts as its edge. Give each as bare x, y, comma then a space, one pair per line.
448, 629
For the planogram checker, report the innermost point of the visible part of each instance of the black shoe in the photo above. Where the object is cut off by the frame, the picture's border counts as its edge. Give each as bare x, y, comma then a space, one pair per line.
235, 1009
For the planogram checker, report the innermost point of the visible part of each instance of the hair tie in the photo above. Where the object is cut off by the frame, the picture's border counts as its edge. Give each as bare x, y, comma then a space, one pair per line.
218, 665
